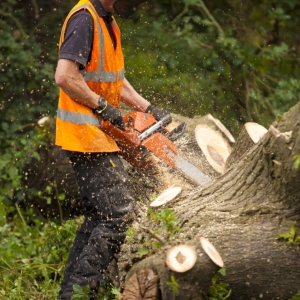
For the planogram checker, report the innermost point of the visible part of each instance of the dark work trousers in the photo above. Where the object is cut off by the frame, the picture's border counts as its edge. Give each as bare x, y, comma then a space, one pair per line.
103, 184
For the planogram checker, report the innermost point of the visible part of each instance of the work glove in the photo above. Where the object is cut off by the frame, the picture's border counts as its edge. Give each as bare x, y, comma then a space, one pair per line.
109, 113
159, 114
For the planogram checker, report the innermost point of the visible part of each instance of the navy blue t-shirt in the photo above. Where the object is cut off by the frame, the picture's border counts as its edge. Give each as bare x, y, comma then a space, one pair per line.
78, 40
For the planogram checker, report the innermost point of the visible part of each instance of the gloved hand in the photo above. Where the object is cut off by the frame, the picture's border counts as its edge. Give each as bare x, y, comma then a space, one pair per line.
109, 113
158, 114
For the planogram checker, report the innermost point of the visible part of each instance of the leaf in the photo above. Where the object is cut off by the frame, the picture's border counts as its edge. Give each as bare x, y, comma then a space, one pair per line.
284, 236
229, 293
36, 156
115, 291
142, 252
77, 288
222, 271
13, 172
297, 162
292, 231
61, 197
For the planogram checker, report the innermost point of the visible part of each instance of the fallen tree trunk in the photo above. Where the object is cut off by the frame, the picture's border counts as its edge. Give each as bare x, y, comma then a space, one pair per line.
242, 213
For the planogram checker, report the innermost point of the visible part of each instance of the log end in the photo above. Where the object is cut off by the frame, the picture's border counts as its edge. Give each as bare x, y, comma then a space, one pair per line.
142, 285
181, 258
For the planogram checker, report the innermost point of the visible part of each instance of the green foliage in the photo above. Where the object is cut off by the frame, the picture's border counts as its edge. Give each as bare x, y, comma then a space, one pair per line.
290, 237
143, 252
33, 257
130, 233
173, 284
80, 293
28, 57
296, 159
219, 290
106, 292
166, 217
240, 64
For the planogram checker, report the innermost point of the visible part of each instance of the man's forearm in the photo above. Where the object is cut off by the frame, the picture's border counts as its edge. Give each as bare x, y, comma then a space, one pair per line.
69, 79
130, 97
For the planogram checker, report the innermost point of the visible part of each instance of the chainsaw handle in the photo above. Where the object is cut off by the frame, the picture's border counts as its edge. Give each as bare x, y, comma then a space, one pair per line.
154, 128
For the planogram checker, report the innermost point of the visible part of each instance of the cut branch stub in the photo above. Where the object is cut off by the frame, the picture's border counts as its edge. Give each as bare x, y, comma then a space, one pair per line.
142, 285
214, 147
249, 135
211, 251
181, 258
166, 196
255, 131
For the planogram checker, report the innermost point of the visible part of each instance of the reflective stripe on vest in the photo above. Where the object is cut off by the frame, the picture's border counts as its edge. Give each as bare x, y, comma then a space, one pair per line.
77, 118
100, 75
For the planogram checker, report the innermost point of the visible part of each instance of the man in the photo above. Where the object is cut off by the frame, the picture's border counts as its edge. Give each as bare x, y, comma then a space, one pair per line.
90, 74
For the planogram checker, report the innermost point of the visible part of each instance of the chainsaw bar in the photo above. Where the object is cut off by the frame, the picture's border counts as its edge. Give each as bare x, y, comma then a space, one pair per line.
191, 171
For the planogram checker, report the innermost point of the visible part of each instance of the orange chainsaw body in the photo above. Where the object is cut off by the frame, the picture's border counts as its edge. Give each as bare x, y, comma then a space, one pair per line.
134, 150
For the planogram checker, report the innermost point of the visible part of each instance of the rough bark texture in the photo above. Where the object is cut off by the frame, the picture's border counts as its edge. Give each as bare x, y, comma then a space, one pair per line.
242, 213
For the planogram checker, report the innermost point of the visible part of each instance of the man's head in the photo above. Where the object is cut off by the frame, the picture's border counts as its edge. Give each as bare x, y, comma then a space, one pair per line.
125, 8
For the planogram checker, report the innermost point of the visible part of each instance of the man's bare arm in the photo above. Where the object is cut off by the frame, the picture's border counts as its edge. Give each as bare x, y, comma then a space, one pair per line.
132, 98
69, 79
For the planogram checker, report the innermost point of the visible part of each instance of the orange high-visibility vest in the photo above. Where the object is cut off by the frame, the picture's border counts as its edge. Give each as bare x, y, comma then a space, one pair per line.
77, 128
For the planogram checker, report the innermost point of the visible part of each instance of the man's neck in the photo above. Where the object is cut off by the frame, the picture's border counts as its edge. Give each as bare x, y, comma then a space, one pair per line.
107, 5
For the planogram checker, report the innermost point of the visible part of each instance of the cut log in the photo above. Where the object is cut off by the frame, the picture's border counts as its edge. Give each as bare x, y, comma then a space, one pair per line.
142, 285
215, 148
250, 135
242, 213
216, 125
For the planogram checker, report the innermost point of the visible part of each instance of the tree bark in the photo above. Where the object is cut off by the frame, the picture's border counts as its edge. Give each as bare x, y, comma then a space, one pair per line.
242, 213
250, 134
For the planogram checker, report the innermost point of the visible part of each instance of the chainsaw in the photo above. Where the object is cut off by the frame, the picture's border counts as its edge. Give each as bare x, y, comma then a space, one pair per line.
144, 135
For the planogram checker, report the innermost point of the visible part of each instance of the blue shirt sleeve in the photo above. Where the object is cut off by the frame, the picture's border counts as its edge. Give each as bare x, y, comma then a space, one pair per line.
78, 40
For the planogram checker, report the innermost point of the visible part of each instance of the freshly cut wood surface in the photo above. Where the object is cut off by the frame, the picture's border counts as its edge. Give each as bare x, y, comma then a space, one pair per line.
216, 125
249, 135
142, 285
215, 148
181, 258
255, 131
166, 196
211, 251
222, 128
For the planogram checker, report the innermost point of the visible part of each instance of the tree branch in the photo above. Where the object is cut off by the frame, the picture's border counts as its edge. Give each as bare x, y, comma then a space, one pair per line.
212, 19
153, 234
36, 9
5, 14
